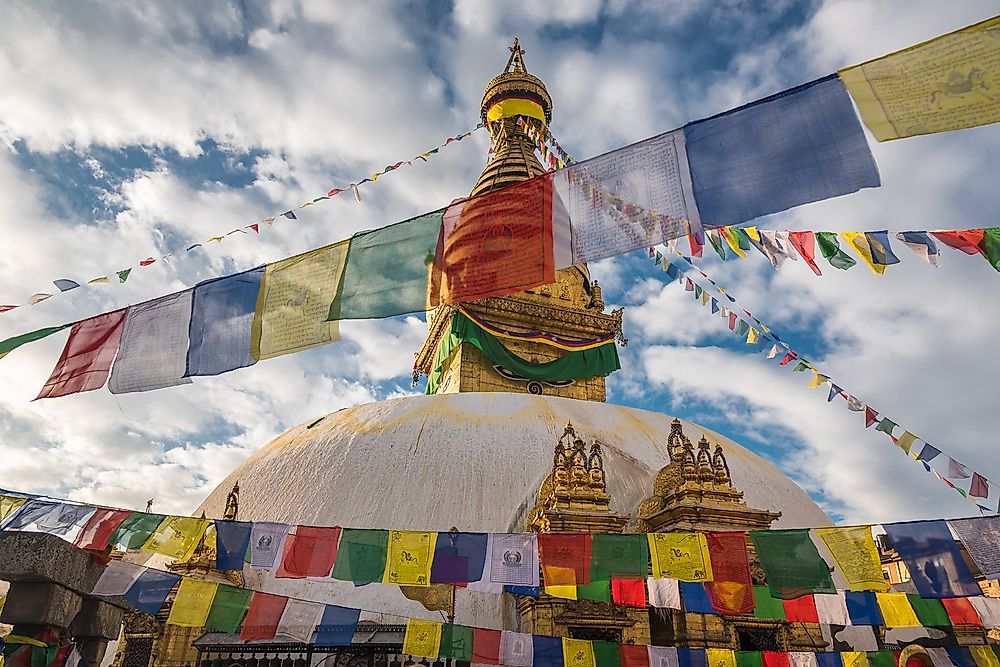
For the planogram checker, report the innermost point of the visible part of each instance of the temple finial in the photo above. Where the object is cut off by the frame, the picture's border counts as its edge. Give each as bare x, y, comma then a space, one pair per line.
516, 61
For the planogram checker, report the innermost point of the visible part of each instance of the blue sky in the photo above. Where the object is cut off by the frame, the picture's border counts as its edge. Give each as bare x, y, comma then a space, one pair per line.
133, 131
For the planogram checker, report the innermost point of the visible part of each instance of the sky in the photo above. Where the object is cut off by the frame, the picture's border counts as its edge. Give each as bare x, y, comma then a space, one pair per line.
134, 130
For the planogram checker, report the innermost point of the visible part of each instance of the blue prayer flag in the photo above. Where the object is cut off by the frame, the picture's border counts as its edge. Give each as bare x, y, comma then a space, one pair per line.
696, 599
231, 541
928, 452
799, 146
829, 659
337, 626
65, 284
222, 311
862, 607
936, 566
458, 558
150, 590
961, 657
546, 651
881, 251
691, 657
530, 591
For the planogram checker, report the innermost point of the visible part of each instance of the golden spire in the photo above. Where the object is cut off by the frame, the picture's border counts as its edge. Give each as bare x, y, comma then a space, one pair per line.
516, 61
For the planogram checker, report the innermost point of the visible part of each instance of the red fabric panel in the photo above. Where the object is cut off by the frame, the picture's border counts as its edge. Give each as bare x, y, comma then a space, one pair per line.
629, 592
309, 552
802, 609
696, 246
485, 646
262, 618
805, 243
961, 611
496, 244
967, 240
634, 655
731, 589
774, 658
98, 529
86, 360
568, 550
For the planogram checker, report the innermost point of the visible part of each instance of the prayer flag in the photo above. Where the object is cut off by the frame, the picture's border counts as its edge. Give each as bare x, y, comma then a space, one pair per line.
720, 657
731, 589
832, 609
966, 240
578, 653
859, 242
629, 592
937, 86
232, 539
776, 248
228, 607
801, 610
791, 563
715, 238
485, 646
147, 261
9, 345
829, 247
633, 655
896, 610
664, 593
294, 300
935, 564
691, 657
299, 620
87, 356
831, 659
732, 241
782, 659
957, 470
99, 528
881, 658
511, 559
562, 554
606, 654
767, 606
961, 657
136, 529
988, 609
979, 488
696, 599
984, 655
309, 552
886, 425
817, 151
266, 540
881, 250
192, 603
663, 656
65, 284
805, 244
50, 516
749, 659
117, 578
546, 651
408, 562
459, 557
617, 555
905, 441
870, 416
856, 556
38, 298
560, 582
515, 649
262, 618
337, 626
854, 658
990, 246
177, 537
222, 314
154, 344
682, 556
150, 589
597, 589
456, 642
361, 555
961, 611
980, 536
930, 612
923, 245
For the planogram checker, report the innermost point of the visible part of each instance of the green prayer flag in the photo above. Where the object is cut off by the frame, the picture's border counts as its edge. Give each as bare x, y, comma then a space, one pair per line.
123, 274
990, 246
801, 366
136, 529
361, 555
597, 589
749, 659
830, 247
456, 642
228, 608
930, 612
766, 606
792, 564
614, 555
742, 329
15, 342
607, 654
881, 659
886, 425
697, 291
716, 240
387, 270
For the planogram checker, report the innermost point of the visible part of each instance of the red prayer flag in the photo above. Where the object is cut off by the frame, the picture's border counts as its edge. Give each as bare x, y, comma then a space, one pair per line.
147, 261
485, 646
961, 611
966, 240
801, 609
567, 551
633, 655
309, 552
688, 285
4, 309
262, 618
805, 243
629, 592
86, 360
255, 227
980, 487
98, 529
774, 658
870, 417
731, 588
732, 321
696, 246
787, 359
495, 244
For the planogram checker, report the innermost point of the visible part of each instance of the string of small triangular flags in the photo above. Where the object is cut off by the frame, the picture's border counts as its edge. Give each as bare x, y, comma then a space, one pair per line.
755, 332
120, 276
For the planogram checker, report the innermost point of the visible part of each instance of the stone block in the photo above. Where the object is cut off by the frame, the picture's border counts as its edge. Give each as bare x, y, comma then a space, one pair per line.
97, 619
40, 603
92, 650
38, 557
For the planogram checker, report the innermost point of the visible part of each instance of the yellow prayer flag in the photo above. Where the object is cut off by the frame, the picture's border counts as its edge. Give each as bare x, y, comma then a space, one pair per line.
905, 441
193, 603
422, 638
859, 242
732, 241
752, 336
102, 279
681, 556
856, 557
408, 562
947, 83
561, 591
9, 505
984, 656
896, 610
560, 582
176, 537
854, 658
580, 653
818, 379
705, 296
294, 302
752, 233
720, 657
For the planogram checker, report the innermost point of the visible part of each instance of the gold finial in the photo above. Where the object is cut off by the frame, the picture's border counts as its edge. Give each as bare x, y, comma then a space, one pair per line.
232, 503
516, 61
149, 504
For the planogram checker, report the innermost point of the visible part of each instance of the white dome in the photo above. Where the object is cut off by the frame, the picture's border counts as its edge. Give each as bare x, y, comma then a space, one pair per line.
473, 461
